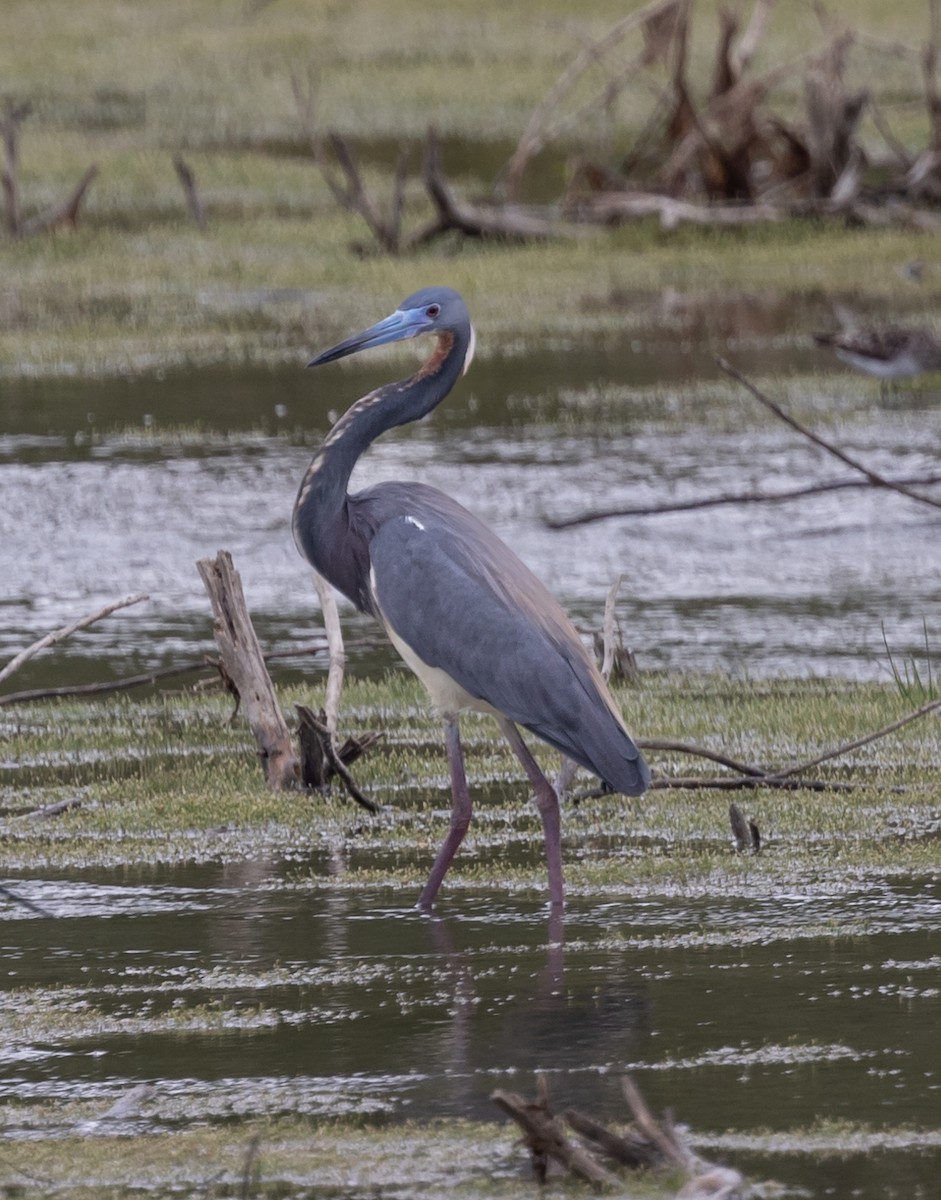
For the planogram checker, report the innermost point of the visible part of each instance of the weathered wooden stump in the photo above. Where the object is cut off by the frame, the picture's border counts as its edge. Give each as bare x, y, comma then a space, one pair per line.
244, 664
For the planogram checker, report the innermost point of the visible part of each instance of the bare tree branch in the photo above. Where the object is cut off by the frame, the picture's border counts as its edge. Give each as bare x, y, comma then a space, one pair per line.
13, 117
786, 494
847, 747
873, 476
65, 213
58, 635
534, 136
188, 182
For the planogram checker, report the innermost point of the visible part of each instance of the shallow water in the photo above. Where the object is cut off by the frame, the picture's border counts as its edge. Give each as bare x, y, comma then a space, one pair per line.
97, 501
263, 989
795, 1033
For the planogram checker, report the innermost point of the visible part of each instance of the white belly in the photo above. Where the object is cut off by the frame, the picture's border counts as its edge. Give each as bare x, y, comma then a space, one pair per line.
447, 695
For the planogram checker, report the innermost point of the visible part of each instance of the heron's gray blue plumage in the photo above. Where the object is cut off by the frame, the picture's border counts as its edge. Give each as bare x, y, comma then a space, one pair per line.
472, 621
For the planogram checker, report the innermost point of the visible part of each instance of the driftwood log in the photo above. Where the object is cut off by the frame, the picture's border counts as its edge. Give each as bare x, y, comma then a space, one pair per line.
244, 664
545, 1137
648, 1144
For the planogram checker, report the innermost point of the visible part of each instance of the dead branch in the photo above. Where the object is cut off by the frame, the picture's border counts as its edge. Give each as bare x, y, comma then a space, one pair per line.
359, 200
54, 810
607, 661
504, 223
64, 214
648, 1144
244, 664
785, 777
150, 678
751, 38
545, 1137
13, 117
250, 1167
832, 115
322, 760
669, 1147
534, 135
744, 830
728, 783
786, 494
715, 756
188, 182
350, 192
611, 207
58, 635
18, 899
630, 1149
873, 476
847, 747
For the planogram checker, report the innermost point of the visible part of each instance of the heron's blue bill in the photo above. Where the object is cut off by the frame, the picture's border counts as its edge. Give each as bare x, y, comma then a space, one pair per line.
402, 324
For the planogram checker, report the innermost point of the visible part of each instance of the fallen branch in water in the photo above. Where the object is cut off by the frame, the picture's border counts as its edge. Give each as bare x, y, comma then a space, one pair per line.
337, 662
59, 635
648, 1144
749, 777
148, 678
726, 498
16, 898
54, 810
873, 477
544, 1136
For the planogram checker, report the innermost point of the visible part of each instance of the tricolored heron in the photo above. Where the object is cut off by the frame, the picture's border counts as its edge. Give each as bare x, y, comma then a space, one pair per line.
469, 618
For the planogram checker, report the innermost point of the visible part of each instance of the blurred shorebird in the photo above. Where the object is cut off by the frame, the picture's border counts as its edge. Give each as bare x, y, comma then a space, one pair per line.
889, 353
469, 618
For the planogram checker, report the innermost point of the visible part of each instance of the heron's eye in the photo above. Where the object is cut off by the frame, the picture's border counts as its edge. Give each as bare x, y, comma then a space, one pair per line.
432, 310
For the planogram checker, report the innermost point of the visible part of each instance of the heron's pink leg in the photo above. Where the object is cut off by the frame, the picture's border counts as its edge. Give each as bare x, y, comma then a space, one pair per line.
548, 804
460, 814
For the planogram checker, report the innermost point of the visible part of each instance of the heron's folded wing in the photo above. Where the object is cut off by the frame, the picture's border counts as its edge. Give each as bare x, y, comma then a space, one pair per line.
464, 603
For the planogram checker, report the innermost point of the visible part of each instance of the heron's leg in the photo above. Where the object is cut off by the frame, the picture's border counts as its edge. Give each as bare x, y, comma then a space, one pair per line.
548, 804
460, 813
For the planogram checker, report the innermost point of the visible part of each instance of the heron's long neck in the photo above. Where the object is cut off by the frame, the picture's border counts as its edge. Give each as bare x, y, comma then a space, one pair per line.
321, 524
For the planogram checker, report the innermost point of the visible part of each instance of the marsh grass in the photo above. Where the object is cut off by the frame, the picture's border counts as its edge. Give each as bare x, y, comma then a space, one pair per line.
168, 779
137, 287
916, 685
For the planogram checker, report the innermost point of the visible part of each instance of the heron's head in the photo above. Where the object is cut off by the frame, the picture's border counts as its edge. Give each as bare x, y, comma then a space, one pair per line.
438, 310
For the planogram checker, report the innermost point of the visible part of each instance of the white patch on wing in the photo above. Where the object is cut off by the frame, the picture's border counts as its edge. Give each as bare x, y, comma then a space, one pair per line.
446, 694
414, 521
471, 347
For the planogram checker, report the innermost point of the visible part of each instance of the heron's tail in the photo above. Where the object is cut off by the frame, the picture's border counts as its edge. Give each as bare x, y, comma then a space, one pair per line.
600, 743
